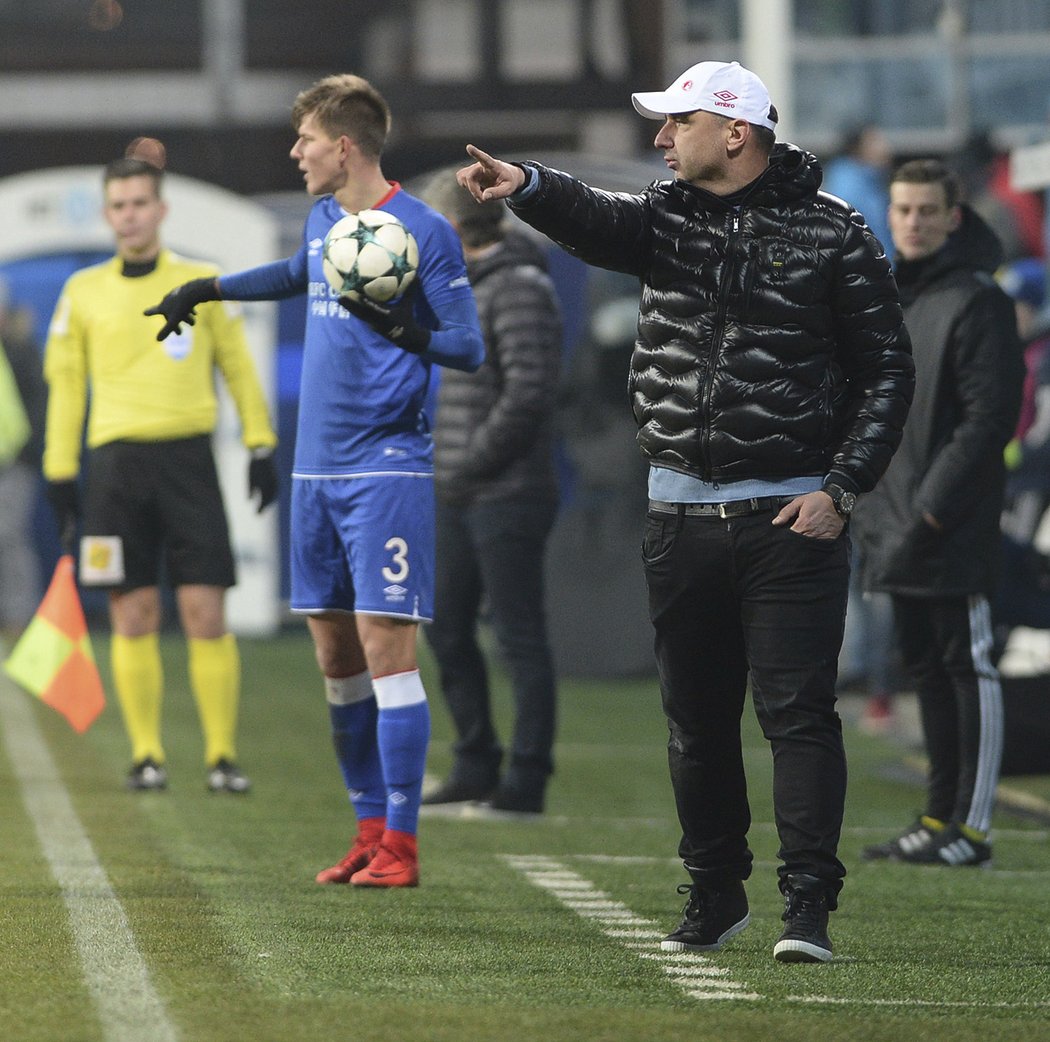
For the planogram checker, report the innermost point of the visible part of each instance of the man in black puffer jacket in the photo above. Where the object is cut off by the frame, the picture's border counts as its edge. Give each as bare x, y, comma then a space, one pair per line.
930, 533
770, 380
497, 497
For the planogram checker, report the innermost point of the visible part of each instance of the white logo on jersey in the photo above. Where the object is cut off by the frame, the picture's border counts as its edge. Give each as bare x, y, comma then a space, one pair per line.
178, 345
315, 245
457, 283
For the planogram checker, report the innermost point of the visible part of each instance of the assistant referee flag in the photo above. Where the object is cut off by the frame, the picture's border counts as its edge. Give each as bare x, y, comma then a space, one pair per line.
53, 659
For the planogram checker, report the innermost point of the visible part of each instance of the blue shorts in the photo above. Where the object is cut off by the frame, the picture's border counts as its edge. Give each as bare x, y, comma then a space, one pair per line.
364, 545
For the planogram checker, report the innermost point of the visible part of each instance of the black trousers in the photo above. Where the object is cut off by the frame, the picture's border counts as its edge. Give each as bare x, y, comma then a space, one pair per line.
493, 554
946, 646
733, 596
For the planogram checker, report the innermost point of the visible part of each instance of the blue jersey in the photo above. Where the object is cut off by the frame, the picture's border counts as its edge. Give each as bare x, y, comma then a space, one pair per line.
361, 397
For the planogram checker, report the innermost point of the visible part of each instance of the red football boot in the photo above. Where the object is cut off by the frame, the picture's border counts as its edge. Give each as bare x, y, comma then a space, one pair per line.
361, 852
396, 862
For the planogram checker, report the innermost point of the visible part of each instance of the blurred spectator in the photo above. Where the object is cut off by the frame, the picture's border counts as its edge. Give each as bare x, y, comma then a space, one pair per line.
860, 173
1023, 598
869, 662
1015, 217
497, 498
930, 530
20, 586
1025, 281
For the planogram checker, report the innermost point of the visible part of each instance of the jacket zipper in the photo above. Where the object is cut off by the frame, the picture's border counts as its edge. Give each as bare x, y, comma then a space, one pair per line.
716, 340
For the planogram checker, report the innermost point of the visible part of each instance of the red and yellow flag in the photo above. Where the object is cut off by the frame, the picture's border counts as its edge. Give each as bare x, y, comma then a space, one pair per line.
53, 659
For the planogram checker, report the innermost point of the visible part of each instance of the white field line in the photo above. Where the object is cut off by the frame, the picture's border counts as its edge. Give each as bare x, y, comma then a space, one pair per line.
827, 1000
129, 1008
692, 973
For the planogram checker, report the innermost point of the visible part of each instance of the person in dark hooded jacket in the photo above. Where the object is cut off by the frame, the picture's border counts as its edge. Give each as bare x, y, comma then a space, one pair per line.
770, 381
930, 531
497, 497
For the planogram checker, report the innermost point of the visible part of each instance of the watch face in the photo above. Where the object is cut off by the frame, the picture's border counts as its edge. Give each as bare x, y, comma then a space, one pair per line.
846, 502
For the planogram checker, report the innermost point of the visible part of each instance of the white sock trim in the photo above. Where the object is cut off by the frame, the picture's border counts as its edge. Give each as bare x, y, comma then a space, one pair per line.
345, 691
399, 689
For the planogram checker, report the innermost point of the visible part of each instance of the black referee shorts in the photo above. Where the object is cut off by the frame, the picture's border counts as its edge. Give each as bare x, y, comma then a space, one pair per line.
161, 501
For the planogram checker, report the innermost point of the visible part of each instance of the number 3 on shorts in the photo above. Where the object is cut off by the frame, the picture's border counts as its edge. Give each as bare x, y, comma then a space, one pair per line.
399, 560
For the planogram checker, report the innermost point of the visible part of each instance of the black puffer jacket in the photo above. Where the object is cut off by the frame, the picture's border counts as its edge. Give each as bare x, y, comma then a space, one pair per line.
770, 339
493, 439
970, 369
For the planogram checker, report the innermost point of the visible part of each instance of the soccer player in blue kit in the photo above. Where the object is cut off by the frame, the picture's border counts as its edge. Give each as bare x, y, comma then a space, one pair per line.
362, 527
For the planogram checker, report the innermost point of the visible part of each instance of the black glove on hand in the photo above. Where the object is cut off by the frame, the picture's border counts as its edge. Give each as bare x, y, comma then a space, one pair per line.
262, 480
177, 307
396, 323
64, 497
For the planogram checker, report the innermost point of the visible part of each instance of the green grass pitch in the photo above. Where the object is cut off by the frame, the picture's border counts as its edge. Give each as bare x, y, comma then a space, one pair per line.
540, 929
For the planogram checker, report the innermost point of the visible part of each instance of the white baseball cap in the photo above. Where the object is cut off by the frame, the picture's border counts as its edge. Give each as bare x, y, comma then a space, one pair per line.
725, 88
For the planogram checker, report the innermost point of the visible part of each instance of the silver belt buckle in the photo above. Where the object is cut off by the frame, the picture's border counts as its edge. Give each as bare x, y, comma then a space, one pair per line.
722, 510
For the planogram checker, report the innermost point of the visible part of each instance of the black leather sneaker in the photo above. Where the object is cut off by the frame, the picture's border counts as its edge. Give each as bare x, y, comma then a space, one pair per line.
709, 919
807, 901
458, 790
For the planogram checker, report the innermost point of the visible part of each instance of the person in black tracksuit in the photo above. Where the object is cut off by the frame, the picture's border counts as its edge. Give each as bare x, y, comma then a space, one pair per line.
497, 499
770, 380
930, 530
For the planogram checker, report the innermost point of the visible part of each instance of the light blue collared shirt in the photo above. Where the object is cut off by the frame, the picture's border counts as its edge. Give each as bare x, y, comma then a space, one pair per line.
669, 486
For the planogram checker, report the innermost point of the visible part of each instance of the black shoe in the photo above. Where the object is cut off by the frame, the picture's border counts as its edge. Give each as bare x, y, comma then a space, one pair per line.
224, 776
807, 902
146, 775
521, 801
950, 846
908, 846
456, 790
709, 919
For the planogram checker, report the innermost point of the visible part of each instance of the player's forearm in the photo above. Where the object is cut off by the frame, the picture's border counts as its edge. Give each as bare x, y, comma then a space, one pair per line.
456, 346
273, 281
457, 343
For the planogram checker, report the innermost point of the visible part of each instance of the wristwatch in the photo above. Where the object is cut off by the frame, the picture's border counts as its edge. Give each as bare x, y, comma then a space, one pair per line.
844, 501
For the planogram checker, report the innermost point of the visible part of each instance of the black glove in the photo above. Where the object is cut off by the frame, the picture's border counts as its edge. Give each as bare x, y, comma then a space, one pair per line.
177, 307
64, 497
396, 323
262, 480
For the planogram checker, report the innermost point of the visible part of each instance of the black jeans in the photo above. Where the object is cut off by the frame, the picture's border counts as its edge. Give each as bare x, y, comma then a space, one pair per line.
492, 554
946, 646
727, 597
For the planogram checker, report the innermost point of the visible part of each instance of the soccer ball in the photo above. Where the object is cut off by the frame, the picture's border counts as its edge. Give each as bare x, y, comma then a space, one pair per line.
371, 254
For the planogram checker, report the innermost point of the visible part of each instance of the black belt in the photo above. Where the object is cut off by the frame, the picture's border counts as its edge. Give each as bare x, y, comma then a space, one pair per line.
735, 508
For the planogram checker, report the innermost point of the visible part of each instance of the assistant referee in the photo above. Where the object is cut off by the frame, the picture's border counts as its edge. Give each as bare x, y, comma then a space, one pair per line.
151, 493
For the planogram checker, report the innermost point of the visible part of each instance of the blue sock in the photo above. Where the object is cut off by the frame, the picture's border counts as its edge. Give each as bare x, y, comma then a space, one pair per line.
357, 750
404, 732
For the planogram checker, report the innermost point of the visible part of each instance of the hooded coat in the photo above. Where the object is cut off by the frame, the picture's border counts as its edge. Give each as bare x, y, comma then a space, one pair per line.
494, 434
969, 373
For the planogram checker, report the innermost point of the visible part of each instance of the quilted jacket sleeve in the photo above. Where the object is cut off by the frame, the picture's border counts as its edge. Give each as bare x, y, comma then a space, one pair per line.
874, 353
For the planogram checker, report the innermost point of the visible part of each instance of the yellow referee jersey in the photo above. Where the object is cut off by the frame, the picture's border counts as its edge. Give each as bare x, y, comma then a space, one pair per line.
141, 389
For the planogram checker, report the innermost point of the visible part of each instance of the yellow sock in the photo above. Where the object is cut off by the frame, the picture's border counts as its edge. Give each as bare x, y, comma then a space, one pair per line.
974, 834
139, 680
215, 676
933, 824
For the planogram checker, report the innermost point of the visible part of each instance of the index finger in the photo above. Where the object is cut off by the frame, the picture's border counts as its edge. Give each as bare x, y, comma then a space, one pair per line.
482, 157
